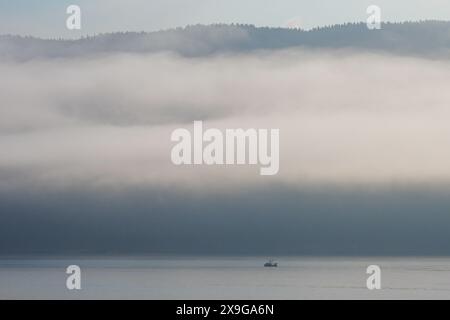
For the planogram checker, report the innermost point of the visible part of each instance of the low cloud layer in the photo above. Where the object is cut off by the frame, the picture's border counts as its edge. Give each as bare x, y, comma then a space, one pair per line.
85, 155
344, 118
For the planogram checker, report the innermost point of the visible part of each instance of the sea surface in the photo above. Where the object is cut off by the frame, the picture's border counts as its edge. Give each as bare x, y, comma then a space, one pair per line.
224, 278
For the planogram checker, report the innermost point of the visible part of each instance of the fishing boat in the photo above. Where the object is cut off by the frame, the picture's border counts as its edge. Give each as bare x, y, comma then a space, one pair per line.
271, 263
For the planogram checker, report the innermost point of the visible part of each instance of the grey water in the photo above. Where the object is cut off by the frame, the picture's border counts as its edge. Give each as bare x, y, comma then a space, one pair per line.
181, 277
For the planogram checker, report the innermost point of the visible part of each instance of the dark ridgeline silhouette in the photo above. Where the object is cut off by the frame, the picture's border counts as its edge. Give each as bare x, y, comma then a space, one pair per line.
431, 38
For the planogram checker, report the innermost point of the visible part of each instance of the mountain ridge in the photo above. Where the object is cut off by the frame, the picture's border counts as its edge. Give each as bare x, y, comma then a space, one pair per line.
424, 38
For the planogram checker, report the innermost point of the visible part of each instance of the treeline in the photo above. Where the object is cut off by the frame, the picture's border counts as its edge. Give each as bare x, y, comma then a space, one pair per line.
419, 38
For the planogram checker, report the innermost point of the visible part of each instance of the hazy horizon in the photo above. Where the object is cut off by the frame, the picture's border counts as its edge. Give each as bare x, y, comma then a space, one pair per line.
79, 37
45, 18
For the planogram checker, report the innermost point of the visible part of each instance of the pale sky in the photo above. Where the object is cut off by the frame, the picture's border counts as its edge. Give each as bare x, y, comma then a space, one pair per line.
46, 18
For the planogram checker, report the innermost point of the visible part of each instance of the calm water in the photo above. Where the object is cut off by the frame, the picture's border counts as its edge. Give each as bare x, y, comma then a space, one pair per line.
225, 278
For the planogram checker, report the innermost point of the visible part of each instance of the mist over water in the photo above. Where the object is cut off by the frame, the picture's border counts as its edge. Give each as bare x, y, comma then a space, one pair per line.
85, 149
